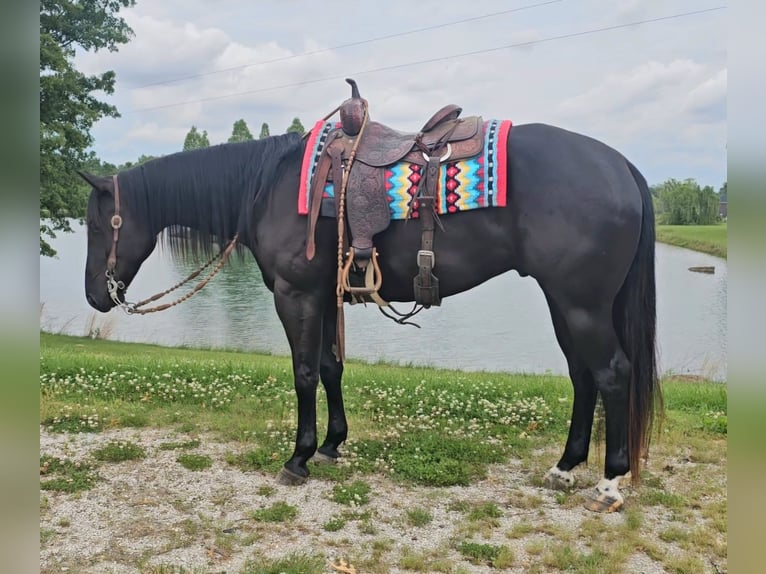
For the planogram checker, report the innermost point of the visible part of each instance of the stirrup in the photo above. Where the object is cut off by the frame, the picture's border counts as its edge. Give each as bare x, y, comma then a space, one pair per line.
367, 289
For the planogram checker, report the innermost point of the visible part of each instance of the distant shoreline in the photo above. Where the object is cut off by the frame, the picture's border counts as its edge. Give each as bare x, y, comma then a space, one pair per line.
710, 239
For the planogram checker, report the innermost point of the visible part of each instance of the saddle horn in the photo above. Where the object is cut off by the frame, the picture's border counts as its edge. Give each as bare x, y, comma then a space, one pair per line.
352, 110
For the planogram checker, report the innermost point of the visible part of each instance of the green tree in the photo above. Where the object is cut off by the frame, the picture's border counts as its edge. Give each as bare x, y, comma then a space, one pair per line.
128, 164
195, 139
686, 203
264, 131
296, 126
68, 106
240, 132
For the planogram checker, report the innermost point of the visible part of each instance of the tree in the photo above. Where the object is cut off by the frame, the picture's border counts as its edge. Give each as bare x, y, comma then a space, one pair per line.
240, 132
686, 203
296, 126
68, 108
264, 131
195, 140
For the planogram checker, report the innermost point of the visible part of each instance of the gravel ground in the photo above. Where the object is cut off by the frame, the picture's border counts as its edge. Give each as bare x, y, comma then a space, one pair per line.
153, 512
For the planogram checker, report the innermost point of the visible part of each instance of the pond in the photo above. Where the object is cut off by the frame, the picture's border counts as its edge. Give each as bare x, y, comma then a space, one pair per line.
501, 325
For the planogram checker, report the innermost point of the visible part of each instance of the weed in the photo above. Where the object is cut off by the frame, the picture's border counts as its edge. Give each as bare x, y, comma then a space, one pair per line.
715, 422
418, 517
673, 534
334, 524
291, 564
194, 443
192, 461
46, 534
567, 559
119, 451
355, 494
520, 530
459, 506
266, 490
66, 475
425, 561
277, 512
653, 497
685, 564
489, 554
483, 511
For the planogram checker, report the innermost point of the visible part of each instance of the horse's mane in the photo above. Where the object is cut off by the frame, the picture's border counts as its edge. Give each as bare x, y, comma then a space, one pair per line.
212, 190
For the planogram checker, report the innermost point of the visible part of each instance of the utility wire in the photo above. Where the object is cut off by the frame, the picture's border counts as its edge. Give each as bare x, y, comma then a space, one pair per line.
432, 60
350, 44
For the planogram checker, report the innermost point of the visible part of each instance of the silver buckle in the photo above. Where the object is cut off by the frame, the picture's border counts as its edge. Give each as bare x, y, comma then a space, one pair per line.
423, 253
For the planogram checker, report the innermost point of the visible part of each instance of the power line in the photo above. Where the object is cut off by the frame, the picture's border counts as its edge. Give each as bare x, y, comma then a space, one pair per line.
351, 44
432, 60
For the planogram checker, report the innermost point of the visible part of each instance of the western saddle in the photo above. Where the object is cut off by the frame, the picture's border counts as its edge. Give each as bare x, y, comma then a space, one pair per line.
355, 158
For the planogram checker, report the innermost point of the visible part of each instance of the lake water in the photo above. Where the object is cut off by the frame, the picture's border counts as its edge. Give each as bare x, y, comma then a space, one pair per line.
501, 325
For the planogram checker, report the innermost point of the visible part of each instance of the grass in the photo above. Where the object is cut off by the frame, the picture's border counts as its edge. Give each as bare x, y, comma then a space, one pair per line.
119, 451
355, 494
291, 564
277, 512
418, 517
192, 461
65, 475
490, 554
710, 239
415, 426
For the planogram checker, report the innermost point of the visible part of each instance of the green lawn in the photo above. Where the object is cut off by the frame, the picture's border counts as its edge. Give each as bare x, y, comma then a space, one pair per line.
464, 420
710, 239
408, 426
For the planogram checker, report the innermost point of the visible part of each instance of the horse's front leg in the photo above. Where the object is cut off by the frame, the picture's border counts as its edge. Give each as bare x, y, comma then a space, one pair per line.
331, 373
301, 316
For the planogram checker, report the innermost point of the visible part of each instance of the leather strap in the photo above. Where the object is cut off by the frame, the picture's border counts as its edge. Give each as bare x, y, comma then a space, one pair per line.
317, 188
116, 222
425, 260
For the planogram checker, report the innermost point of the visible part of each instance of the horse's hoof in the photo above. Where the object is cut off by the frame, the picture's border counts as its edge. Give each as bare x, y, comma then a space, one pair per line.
556, 479
596, 501
289, 478
320, 458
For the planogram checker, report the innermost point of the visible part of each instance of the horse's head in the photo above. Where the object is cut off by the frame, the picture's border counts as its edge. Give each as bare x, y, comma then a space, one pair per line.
118, 242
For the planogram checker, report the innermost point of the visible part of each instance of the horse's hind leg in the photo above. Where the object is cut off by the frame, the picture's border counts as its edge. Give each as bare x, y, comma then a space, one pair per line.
331, 374
595, 340
561, 476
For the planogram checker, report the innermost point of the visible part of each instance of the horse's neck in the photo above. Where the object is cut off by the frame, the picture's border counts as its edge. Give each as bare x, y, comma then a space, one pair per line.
205, 211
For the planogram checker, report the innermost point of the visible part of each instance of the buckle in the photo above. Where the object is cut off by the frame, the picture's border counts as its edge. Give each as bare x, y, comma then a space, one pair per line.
425, 254
116, 222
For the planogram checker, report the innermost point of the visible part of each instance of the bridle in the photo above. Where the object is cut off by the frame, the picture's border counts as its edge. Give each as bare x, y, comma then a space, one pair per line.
114, 285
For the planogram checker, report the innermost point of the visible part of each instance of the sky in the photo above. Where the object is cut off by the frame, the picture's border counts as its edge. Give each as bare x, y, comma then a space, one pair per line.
655, 91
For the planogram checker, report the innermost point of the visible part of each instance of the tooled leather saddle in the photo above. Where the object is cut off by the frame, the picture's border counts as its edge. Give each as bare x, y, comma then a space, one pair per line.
362, 150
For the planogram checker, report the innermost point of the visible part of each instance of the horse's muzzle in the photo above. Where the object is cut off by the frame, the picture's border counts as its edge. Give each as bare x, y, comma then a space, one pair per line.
103, 306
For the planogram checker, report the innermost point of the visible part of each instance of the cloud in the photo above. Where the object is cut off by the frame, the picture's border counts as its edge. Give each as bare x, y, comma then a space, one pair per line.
642, 89
708, 100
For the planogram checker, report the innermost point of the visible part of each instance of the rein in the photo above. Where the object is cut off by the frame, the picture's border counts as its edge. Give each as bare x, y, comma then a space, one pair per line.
114, 285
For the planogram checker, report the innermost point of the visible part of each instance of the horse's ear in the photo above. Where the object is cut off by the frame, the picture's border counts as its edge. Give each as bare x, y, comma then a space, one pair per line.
97, 182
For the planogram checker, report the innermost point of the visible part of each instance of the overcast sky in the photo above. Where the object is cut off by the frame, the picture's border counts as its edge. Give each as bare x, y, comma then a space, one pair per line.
654, 91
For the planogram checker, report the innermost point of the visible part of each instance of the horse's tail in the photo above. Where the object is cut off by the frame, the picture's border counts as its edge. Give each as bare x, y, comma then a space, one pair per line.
635, 320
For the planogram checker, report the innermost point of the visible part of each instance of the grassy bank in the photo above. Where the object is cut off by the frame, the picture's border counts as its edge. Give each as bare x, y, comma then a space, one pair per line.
219, 390
710, 239
440, 438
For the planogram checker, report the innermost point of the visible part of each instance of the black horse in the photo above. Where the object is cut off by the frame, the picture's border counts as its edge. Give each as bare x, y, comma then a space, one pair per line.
578, 219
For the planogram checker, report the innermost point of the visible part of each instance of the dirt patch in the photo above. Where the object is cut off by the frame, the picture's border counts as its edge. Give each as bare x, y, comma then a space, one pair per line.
154, 515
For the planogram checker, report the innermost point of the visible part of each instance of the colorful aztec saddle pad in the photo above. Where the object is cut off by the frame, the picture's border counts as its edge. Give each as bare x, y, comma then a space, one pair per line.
472, 183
